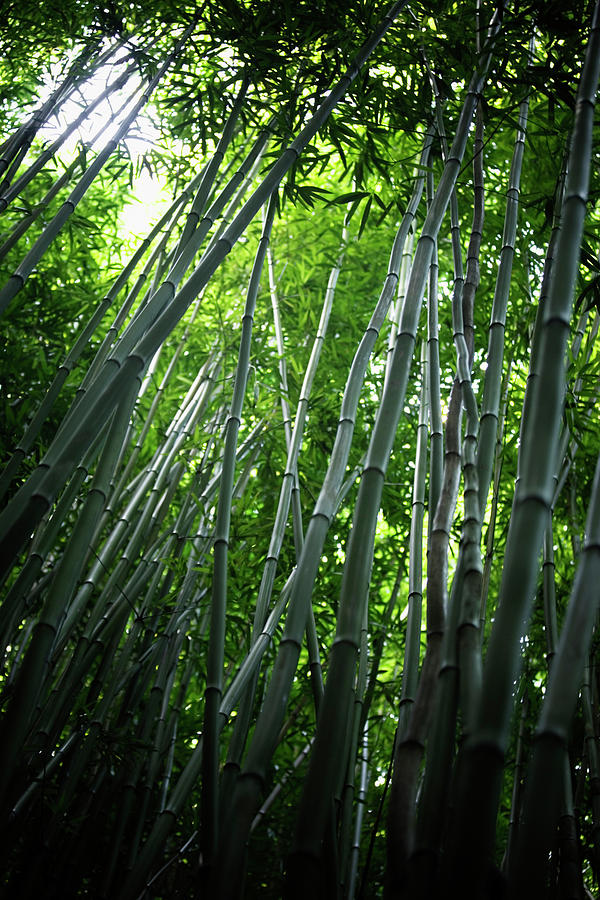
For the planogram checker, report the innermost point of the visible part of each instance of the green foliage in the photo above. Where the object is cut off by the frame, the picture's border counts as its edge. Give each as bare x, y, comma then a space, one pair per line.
104, 679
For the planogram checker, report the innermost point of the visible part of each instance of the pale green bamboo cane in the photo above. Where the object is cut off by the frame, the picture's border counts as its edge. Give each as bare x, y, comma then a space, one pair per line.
294, 441
490, 403
214, 666
184, 254
347, 795
360, 811
568, 446
518, 778
471, 572
16, 526
570, 877
397, 306
378, 644
284, 390
410, 744
593, 756
412, 644
437, 777
436, 456
40, 781
444, 473
173, 727
268, 803
549, 589
482, 757
443, 488
491, 528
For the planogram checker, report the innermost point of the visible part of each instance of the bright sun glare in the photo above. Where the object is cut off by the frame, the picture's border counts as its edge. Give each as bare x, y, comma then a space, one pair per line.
151, 193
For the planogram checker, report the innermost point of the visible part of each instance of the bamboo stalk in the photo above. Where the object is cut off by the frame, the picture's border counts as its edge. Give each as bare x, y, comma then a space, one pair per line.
493, 375
412, 645
214, 673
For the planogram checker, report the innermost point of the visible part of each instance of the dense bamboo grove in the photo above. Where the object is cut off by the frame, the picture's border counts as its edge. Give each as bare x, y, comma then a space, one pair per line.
300, 487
